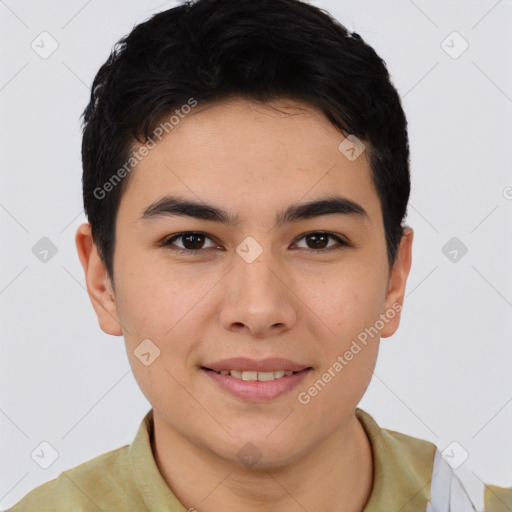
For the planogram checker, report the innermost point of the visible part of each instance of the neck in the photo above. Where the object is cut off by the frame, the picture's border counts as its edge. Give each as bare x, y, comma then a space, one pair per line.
336, 475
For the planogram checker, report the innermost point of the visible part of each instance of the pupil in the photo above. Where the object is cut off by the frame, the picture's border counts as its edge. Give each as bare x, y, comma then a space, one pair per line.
316, 237
194, 236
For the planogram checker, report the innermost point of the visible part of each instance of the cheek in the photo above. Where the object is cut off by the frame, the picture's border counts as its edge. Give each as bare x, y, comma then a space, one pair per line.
160, 337
348, 300
162, 305
350, 306
338, 385
153, 298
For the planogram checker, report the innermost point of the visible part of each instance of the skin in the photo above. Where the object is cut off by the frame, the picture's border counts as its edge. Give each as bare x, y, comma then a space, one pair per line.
254, 161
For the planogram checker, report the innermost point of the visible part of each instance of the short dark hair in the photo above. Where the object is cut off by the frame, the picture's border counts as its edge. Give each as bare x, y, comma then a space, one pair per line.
211, 50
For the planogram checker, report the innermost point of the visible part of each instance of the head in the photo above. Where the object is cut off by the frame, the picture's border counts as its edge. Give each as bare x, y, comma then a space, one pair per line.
249, 109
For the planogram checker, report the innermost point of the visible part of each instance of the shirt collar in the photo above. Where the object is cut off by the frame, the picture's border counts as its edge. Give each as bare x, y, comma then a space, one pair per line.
154, 489
402, 469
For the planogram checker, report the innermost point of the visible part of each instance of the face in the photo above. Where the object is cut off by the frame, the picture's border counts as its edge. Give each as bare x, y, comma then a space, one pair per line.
300, 287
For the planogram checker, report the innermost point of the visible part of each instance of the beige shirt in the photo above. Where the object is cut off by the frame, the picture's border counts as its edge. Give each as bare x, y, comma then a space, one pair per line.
128, 479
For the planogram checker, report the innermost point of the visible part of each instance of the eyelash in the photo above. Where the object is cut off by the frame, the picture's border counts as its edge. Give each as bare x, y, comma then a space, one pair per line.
168, 241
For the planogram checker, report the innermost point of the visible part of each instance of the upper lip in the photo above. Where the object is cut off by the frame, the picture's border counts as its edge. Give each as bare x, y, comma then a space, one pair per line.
271, 364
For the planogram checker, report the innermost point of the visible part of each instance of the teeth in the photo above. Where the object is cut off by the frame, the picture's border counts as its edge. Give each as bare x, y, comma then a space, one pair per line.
266, 375
256, 376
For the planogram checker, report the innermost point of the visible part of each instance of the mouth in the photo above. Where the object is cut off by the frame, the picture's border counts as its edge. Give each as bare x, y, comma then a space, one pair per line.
253, 385
249, 375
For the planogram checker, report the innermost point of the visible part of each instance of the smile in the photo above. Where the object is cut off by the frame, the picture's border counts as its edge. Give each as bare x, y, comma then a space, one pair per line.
260, 376
256, 386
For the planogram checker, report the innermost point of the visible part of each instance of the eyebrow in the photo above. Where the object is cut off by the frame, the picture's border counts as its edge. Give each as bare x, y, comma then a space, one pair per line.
170, 206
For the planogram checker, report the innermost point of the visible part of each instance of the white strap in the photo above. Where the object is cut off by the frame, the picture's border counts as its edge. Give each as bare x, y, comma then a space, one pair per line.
446, 491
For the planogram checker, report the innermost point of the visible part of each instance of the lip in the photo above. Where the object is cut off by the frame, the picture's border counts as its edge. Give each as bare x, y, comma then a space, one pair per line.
271, 364
253, 390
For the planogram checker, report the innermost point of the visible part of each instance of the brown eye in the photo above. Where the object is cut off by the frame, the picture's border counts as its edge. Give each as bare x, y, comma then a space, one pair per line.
191, 241
318, 241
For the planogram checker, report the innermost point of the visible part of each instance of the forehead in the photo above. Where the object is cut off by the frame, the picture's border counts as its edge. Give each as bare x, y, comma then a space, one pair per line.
251, 156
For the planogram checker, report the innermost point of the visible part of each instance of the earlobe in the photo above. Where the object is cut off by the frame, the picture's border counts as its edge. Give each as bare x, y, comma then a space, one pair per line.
397, 283
98, 282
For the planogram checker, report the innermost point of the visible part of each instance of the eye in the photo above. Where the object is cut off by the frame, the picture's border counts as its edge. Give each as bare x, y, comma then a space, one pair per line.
319, 240
192, 241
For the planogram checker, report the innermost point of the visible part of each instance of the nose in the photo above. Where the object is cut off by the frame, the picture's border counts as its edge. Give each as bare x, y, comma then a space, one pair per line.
258, 300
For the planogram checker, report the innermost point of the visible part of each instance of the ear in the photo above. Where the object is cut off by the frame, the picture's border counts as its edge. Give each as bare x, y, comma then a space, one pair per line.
396, 284
98, 282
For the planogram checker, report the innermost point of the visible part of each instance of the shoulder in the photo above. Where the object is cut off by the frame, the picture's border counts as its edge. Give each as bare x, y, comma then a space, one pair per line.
414, 469
497, 499
91, 486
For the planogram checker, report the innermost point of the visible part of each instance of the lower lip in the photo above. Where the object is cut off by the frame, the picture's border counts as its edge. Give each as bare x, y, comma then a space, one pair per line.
255, 390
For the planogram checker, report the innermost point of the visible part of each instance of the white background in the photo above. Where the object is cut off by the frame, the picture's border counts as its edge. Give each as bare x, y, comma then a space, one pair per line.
444, 376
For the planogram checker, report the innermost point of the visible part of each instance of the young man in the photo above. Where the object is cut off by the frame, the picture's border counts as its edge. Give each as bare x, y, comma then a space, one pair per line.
245, 177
